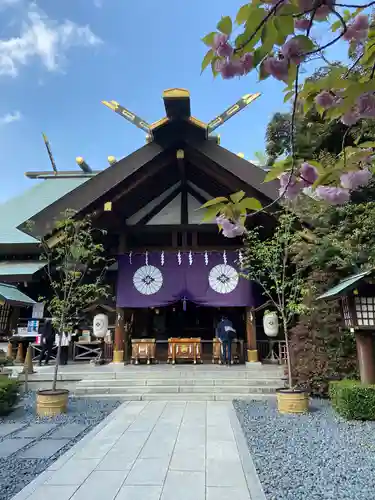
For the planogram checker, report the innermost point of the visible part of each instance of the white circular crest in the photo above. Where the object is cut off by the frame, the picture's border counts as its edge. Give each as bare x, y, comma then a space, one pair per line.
148, 280
223, 278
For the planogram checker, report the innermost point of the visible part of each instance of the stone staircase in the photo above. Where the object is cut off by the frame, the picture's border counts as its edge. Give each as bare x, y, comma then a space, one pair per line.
184, 382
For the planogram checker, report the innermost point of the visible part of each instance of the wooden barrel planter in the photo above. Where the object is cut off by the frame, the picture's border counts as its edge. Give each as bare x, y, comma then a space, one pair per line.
292, 401
50, 403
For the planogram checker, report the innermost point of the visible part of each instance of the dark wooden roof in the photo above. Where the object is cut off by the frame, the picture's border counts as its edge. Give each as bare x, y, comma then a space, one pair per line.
142, 175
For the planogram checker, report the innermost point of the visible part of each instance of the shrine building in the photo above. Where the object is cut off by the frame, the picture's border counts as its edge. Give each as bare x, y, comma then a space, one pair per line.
174, 276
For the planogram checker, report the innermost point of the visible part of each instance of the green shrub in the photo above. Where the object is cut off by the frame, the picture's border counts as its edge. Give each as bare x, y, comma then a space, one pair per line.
353, 400
9, 394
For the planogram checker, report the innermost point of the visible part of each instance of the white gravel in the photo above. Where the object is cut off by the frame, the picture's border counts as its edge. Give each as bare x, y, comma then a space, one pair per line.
318, 456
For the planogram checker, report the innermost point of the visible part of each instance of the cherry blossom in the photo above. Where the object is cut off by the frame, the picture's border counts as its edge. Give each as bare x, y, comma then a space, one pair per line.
357, 31
325, 99
351, 117
333, 195
293, 51
290, 187
230, 229
278, 68
221, 46
308, 174
366, 105
302, 24
355, 179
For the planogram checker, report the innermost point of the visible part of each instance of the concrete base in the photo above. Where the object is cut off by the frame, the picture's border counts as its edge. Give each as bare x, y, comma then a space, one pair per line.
253, 364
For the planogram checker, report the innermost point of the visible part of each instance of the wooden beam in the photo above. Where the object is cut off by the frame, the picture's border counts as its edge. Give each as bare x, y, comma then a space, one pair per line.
184, 199
158, 207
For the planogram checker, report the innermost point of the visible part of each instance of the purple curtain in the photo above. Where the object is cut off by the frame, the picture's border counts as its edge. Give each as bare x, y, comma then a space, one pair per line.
159, 278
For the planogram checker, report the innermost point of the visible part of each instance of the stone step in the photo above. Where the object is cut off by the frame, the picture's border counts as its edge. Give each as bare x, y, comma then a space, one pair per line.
84, 389
183, 397
140, 382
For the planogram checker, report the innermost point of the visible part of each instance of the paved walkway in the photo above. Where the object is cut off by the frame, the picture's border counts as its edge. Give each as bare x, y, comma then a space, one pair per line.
155, 451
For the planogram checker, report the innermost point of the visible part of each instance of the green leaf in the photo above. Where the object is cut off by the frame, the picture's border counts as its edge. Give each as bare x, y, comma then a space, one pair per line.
211, 213
259, 55
243, 14
263, 75
209, 39
256, 17
207, 59
305, 42
288, 95
367, 144
236, 197
215, 201
335, 26
249, 204
284, 25
269, 36
225, 25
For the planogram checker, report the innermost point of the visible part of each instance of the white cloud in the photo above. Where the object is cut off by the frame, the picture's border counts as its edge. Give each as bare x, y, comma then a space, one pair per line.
45, 39
10, 118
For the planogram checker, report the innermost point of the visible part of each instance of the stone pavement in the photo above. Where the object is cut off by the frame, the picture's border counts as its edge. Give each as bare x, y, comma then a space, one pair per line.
155, 451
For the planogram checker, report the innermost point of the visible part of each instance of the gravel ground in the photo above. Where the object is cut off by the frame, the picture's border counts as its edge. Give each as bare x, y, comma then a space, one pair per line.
15, 472
318, 456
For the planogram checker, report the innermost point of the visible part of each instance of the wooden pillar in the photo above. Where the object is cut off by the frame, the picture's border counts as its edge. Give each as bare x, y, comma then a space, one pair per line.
119, 344
252, 352
366, 359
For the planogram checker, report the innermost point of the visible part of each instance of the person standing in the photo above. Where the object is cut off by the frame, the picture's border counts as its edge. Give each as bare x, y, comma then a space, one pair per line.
46, 342
225, 333
65, 342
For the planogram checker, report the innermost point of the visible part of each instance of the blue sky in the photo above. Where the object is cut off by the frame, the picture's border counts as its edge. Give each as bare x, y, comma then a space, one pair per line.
59, 59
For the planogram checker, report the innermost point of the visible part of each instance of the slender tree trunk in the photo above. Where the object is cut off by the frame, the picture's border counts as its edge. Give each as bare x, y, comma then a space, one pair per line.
289, 361
58, 354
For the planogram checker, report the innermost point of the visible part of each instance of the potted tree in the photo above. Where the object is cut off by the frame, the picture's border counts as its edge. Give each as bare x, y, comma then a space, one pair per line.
75, 268
267, 262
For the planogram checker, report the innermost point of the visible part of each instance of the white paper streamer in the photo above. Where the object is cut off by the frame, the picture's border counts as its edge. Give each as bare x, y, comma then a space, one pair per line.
162, 258
146, 259
206, 258
240, 257
179, 260
130, 257
190, 258
225, 257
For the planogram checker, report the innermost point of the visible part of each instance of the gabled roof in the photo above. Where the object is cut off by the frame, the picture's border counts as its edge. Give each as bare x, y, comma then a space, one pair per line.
44, 204
23, 207
11, 295
345, 285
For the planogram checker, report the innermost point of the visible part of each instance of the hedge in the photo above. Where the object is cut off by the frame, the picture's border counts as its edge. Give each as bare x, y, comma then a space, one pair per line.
9, 394
353, 400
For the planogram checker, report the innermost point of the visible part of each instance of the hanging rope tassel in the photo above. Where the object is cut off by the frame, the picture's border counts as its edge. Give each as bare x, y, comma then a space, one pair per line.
184, 304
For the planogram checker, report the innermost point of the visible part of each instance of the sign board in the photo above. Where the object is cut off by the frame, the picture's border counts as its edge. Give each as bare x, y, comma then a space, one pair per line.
33, 327
38, 310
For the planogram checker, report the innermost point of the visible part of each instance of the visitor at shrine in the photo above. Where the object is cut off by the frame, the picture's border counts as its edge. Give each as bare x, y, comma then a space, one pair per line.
46, 340
225, 333
65, 341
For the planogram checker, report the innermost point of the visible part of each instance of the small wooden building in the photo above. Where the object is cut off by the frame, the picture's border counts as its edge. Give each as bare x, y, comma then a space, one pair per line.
174, 275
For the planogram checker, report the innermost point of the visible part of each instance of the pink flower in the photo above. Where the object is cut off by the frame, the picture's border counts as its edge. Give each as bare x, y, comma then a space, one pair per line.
230, 69
219, 65
355, 179
278, 68
366, 105
290, 187
230, 229
292, 50
221, 46
325, 99
323, 12
302, 24
247, 61
308, 173
350, 117
333, 195
357, 31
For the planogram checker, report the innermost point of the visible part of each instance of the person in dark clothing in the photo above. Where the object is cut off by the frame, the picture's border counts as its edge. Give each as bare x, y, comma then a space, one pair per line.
47, 340
225, 333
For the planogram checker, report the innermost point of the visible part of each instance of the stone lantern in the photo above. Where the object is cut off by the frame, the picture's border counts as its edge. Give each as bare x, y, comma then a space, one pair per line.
357, 299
